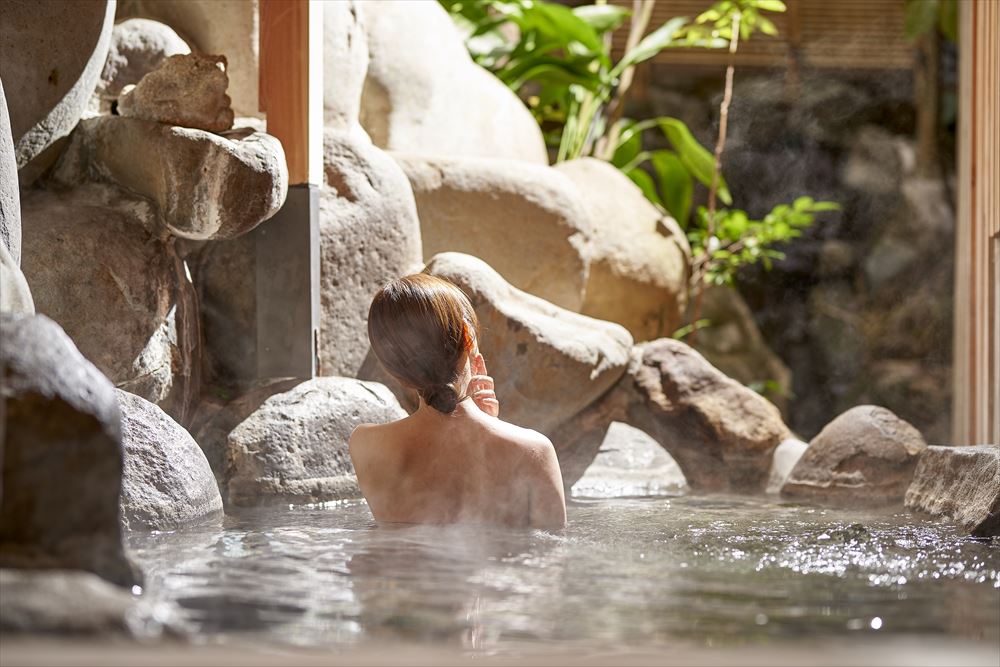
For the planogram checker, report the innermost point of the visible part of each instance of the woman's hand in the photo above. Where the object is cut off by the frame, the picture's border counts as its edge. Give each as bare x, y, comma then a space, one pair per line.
481, 388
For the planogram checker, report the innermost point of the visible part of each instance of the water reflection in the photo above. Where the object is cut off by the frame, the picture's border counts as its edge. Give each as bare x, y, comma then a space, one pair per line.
637, 572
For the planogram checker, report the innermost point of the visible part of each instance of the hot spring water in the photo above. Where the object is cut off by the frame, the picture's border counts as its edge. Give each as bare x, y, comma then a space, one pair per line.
643, 572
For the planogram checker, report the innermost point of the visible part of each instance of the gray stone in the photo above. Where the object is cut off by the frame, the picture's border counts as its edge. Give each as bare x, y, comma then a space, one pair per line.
65, 602
424, 95
204, 186
345, 63
526, 221
53, 53
639, 259
188, 90
167, 482
227, 27
62, 455
369, 234
119, 292
630, 463
786, 455
10, 207
548, 363
888, 259
15, 297
293, 448
961, 483
866, 456
138, 46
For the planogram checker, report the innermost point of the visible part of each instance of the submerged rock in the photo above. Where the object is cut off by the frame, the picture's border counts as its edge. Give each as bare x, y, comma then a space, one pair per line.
550, 363
786, 456
866, 456
187, 90
526, 221
630, 463
293, 448
61, 456
204, 186
961, 483
65, 602
167, 482
639, 258
138, 46
369, 234
424, 95
53, 53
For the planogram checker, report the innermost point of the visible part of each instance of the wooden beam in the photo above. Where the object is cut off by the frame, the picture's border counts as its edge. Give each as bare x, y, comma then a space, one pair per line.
291, 83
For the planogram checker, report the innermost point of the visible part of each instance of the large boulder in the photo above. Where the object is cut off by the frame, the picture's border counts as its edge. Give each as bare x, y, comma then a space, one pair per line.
424, 95
53, 53
293, 448
866, 456
61, 457
10, 207
549, 363
188, 90
227, 27
15, 297
630, 464
640, 257
167, 482
345, 63
118, 291
204, 186
526, 221
961, 483
369, 234
138, 46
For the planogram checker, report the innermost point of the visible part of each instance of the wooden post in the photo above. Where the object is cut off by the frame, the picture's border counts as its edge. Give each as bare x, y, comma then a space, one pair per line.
287, 246
976, 402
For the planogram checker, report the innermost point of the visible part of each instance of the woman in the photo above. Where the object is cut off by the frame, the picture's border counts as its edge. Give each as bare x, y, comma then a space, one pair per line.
453, 460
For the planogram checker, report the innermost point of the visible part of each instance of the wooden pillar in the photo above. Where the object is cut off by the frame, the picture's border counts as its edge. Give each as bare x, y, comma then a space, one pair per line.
287, 245
976, 403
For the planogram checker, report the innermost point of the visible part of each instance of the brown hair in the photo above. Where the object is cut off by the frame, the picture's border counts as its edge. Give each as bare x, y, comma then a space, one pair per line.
420, 326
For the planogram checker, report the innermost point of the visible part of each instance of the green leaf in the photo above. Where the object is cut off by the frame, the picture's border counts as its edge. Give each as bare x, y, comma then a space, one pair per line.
602, 18
920, 17
770, 5
650, 45
556, 20
629, 144
698, 160
767, 27
675, 184
646, 184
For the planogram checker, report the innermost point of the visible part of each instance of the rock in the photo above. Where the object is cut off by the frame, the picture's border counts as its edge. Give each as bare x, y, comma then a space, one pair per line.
836, 258
53, 53
15, 297
630, 463
548, 363
218, 418
866, 456
961, 483
875, 162
786, 455
293, 448
640, 258
120, 293
227, 27
65, 603
138, 46
720, 433
10, 207
369, 234
167, 482
62, 455
345, 63
526, 221
188, 90
424, 95
204, 186
733, 344
888, 259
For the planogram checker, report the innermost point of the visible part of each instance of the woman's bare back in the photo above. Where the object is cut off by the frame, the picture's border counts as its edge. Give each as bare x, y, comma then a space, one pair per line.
464, 467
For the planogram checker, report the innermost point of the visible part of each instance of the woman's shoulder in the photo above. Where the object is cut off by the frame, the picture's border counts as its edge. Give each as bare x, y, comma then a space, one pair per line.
520, 437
